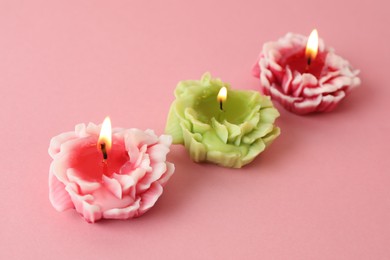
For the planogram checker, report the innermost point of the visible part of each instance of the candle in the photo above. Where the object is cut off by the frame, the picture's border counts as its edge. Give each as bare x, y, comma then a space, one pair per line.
303, 75
108, 173
219, 125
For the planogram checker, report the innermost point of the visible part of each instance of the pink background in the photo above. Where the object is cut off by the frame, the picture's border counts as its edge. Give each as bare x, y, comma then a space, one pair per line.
320, 192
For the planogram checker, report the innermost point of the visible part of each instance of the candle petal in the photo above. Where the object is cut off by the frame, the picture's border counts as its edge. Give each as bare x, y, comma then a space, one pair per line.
59, 197
123, 213
149, 198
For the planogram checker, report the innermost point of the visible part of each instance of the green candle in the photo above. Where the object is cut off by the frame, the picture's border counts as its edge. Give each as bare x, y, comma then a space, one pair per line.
232, 136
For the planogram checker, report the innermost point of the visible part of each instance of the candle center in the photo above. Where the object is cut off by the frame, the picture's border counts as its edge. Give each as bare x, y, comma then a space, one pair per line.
88, 163
235, 108
296, 60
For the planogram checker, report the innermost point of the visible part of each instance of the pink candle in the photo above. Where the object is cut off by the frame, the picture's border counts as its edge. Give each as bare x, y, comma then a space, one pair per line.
303, 75
113, 176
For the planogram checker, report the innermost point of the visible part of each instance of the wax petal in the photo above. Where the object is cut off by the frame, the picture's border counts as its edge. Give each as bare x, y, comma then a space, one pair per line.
196, 149
92, 129
167, 175
58, 196
57, 141
233, 131
158, 170
225, 159
149, 198
123, 213
139, 138
165, 140
158, 153
126, 182
258, 133
197, 126
254, 150
220, 129
90, 212
145, 163
85, 186
269, 138
138, 173
113, 186
268, 115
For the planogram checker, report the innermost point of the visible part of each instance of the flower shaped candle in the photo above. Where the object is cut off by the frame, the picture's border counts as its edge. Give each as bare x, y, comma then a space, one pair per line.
100, 178
303, 75
216, 124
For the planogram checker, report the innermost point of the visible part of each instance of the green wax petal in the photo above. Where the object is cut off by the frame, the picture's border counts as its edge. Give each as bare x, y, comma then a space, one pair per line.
265, 101
253, 112
268, 115
237, 142
206, 77
197, 150
254, 150
173, 126
197, 126
246, 127
271, 136
254, 120
233, 130
220, 130
261, 131
225, 159
254, 99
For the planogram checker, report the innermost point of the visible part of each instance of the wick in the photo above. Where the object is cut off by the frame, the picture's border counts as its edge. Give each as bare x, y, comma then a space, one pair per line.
308, 63
104, 151
221, 105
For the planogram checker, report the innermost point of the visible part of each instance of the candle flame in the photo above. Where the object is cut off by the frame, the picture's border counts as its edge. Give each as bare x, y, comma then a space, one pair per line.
312, 46
222, 95
105, 135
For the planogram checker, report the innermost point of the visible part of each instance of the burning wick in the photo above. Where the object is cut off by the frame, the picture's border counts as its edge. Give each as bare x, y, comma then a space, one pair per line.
311, 47
222, 95
104, 142
308, 61
104, 151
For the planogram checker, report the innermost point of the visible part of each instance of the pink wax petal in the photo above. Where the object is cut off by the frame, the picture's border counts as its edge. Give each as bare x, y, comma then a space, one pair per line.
150, 177
139, 138
165, 140
149, 198
126, 182
58, 196
123, 213
167, 175
57, 141
158, 153
84, 186
113, 186
143, 158
92, 129
90, 212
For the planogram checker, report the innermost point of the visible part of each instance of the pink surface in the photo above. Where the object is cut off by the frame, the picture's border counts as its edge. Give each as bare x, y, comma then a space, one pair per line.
320, 192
